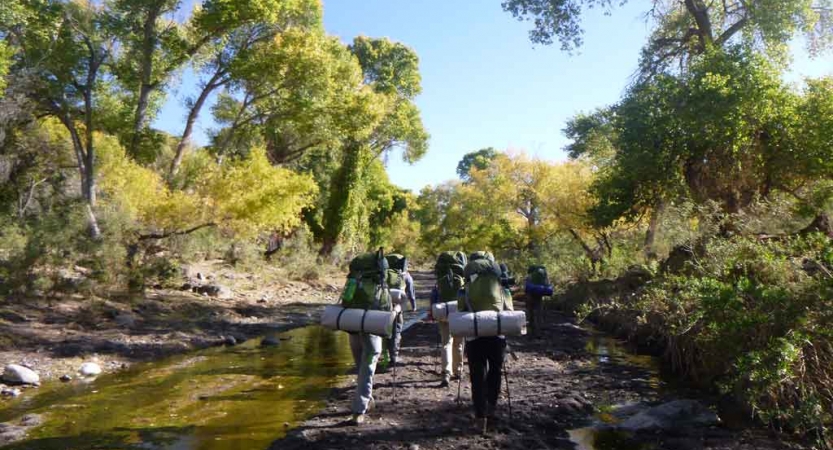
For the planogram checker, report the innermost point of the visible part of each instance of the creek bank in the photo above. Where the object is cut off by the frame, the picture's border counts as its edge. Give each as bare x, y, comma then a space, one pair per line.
54, 336
559, 384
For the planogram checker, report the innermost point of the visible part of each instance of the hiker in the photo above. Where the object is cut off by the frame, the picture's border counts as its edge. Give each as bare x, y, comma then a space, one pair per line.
449, 273
399, 264
536, 287
367, 288
484, 292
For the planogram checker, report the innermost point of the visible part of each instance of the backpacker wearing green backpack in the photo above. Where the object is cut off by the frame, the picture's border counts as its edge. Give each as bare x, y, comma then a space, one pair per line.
368, 283
449, 271
484, 291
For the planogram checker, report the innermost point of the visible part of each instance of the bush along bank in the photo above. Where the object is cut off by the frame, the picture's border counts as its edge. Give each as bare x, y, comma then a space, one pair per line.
749, 316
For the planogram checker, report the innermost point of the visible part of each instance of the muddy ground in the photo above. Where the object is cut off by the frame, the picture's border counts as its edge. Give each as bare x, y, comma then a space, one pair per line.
54, 335
557, 384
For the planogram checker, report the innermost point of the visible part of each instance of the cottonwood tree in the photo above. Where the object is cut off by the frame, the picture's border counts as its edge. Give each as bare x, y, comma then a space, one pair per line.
63, 48
391, 81
686, 27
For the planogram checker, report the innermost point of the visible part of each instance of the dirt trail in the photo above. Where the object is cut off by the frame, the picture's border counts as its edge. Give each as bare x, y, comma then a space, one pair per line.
558, 383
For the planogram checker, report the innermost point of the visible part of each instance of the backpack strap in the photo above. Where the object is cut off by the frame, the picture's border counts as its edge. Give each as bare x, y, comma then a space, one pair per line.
377, 298
338, 319
364, 316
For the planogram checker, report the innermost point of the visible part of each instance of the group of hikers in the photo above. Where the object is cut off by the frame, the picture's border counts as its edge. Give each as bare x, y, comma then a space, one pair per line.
474, 283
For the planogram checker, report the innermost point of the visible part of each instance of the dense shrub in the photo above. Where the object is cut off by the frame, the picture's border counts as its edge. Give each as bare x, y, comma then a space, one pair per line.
754, 316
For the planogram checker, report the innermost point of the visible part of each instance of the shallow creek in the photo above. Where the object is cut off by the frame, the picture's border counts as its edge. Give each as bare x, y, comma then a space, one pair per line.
233, 398
608, 352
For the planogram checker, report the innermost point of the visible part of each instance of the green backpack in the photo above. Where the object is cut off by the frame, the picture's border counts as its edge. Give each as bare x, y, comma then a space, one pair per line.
482, 255
483, 289
397, 262
449, 272
368, 283
538, 275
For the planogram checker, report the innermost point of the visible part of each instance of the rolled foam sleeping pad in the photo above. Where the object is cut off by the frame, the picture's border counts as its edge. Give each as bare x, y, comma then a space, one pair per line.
487, 323
544, 290
379, 323
441, 311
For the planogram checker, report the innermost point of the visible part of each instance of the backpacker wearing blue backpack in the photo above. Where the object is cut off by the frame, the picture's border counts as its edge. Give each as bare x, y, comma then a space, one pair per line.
537, 287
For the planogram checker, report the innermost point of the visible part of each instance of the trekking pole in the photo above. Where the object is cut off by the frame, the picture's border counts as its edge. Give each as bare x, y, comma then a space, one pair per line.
459, 381
508, 392
394, 383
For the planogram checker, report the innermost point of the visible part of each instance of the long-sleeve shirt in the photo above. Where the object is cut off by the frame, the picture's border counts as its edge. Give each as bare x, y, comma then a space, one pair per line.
409, 290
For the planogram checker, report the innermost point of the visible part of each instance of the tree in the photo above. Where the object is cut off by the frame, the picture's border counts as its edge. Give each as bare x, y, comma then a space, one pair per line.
391, 79
729, 131
479, 160
290, 94
64, 47
689, 27
236, 44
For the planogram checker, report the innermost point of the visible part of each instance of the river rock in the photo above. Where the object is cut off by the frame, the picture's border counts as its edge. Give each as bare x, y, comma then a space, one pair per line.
17, 374
10, 392
216, 290
671, 415
65, 378
90, 369
10, 433
270, 341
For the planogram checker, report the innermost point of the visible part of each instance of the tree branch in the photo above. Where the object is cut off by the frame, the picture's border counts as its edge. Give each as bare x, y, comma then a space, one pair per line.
145, 237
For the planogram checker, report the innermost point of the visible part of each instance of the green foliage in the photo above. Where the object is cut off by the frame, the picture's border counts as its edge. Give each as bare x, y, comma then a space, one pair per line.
689, 28
756, 316
475, 160
729, 131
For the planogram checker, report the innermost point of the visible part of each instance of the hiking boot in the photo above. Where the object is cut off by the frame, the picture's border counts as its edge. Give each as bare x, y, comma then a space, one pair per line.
480, 424
445, 382
357, 419
370, 405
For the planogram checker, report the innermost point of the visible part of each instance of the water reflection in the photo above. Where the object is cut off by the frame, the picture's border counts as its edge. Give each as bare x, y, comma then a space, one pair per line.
220, 399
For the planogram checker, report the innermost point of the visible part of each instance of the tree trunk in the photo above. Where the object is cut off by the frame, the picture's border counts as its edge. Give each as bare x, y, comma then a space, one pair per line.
343, 185
145, 87
653, 229
212, 84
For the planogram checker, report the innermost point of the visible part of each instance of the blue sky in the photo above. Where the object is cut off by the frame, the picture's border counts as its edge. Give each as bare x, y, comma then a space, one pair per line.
484, 84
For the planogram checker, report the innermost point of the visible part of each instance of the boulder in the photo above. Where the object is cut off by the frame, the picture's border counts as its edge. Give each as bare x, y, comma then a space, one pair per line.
671, 415
270, 340
216, 290
16, 374
89, 369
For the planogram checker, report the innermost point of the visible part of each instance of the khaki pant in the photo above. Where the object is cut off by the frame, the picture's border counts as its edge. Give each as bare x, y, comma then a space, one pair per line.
452, 352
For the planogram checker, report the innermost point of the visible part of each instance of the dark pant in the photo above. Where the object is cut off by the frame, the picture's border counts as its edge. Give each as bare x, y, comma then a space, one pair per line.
395, 340
535, 313
485, 356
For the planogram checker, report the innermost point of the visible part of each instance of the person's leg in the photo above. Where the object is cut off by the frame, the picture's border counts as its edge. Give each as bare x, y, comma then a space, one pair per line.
477, 374
446, 351
530, 314
371, 349
457, 356
495, 353
356, 349
539, 314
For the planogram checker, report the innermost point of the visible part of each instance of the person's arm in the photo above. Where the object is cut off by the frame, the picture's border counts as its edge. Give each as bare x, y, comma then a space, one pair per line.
409, 288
